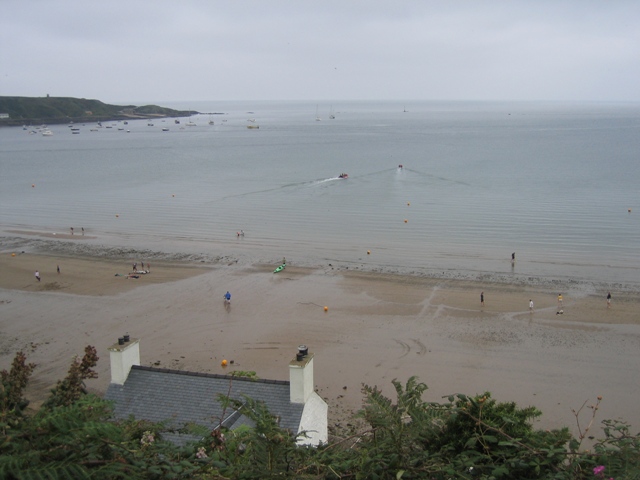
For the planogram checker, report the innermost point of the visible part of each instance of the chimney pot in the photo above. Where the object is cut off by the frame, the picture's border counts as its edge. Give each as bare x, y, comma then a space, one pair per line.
126, 337
303, 350
121, 341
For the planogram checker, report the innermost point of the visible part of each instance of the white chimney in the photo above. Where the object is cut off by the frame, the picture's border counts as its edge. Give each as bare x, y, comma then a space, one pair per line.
123, 355
301, 376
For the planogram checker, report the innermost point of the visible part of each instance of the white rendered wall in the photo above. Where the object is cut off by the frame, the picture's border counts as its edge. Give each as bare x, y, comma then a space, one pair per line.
122, 358
301, 379
315, 421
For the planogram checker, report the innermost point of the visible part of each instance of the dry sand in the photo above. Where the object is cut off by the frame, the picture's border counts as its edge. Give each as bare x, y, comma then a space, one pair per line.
377, 328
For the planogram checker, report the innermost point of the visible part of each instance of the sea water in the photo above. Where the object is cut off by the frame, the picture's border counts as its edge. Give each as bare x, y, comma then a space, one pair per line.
435, 188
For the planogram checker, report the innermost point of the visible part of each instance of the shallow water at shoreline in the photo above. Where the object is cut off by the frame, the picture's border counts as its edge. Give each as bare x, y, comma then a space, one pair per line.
551, 182
242, 254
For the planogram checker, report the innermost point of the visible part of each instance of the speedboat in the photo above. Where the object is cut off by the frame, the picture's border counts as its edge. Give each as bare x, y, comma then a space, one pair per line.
343, 175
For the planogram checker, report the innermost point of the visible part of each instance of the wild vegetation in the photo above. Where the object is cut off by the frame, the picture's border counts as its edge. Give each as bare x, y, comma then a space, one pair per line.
37, 110
73, 435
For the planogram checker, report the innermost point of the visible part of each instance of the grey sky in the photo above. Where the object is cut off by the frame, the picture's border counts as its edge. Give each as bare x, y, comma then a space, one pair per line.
156, 50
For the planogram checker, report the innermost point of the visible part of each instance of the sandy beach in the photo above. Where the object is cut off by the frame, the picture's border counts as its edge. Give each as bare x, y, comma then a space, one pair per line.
377, 328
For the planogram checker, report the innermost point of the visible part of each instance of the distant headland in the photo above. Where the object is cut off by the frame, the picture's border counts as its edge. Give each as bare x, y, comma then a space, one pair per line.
16, 111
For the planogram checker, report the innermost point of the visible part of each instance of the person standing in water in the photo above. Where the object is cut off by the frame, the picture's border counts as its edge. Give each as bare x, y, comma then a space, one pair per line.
37, 274
513, 258
530, 305
609, 300
482, 299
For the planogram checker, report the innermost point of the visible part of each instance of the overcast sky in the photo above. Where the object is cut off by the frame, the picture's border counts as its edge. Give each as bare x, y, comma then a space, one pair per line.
155, 50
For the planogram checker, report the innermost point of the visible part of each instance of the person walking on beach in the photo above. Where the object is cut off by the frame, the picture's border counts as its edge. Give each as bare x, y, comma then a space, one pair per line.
71, 230
37, 274
513, 258
58, 269
83, 231
530, 305
227, 298
609, 300
482, 299
559, 300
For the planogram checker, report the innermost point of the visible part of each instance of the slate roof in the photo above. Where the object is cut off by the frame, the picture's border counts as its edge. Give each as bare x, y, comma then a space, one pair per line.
180, 397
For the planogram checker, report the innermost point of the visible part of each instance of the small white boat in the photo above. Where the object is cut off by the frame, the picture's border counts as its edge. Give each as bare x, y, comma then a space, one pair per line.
165, 129
47, 133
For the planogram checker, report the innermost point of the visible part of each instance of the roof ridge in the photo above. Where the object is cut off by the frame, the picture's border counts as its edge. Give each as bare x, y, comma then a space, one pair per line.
211, 375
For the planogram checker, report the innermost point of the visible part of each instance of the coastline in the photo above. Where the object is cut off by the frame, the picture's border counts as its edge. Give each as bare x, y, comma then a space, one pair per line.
379, 326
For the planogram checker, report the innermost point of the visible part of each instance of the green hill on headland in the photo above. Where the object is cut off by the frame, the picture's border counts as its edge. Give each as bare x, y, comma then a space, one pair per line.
36, 110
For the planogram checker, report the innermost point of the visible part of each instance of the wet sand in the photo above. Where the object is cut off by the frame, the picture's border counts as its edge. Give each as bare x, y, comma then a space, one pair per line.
378, 327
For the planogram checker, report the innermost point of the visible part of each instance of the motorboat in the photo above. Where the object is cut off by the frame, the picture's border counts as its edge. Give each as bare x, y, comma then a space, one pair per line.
343, 175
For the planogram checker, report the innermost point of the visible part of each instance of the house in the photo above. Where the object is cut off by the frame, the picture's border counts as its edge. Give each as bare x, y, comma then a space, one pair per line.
181, 397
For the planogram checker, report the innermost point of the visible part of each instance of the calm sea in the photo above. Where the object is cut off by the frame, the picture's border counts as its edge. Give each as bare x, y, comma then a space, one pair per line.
558, 184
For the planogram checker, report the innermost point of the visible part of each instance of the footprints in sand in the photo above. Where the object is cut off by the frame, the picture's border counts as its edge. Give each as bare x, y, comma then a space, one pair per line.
419, 347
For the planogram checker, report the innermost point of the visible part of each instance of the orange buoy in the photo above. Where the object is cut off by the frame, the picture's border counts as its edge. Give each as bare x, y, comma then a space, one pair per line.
223, 363
13, 254
629, 210
405, 220
33, 185
117, 215
368, 252
408, 203
326, 309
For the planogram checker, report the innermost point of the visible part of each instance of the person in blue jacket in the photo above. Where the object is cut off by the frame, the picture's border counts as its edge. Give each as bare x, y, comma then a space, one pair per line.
227, 297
